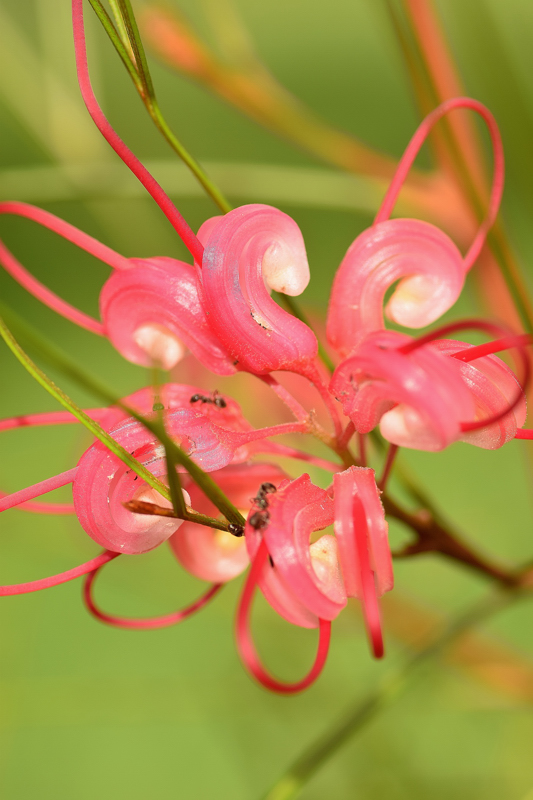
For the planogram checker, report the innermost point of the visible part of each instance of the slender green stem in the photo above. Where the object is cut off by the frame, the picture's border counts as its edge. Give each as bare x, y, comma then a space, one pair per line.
138, 70
293, 307
132, 31
121, 44
119, 22
173, 478
395, 683
63, 363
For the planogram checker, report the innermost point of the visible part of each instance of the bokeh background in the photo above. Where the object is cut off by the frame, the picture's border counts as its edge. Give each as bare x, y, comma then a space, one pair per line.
88, 711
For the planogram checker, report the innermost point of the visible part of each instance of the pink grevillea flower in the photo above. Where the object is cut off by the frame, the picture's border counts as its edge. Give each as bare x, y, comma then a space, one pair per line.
424, 385
222, 410
214, 555
362, 539
304, 583
308, 584
102, 483
301, 581
496, 392
428, 265
152, 314
152, 309
428, 393
246, 251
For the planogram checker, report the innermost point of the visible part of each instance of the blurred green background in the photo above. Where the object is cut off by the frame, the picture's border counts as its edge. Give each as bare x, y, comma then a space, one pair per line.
88, 711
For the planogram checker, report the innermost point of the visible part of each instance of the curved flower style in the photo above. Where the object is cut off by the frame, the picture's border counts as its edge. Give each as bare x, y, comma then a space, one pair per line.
364, 553
142, 623
428, 265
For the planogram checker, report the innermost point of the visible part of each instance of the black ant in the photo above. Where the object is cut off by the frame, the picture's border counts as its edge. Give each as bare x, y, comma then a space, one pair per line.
216, 399
260, 519
260, 499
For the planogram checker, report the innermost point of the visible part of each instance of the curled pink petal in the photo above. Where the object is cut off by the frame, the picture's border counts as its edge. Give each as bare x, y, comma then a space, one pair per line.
143, 623
302, 582
152, 312
493, 386
258, 334
213, 555
246, 646
426, 260
211, 427
429, 265
361, 482
419, 398
365, 559
104, 483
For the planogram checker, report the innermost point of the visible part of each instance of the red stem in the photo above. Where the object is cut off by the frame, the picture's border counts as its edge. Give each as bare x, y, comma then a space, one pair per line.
389, 461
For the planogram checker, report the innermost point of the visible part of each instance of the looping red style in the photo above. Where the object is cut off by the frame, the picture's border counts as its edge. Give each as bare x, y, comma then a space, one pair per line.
61, 577
246, 645
143, 623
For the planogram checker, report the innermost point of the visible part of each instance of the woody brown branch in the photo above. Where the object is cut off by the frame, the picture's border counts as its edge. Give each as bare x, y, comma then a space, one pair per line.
432, 536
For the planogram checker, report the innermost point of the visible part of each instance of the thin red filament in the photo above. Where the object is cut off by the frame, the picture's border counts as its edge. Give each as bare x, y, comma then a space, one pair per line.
139, 170
143, 623
61, 577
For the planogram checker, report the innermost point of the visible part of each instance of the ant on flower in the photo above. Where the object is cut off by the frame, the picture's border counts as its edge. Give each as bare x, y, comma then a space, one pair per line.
215, 398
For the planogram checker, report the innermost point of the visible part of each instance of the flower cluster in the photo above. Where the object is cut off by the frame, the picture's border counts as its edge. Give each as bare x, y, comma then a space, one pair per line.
423, 393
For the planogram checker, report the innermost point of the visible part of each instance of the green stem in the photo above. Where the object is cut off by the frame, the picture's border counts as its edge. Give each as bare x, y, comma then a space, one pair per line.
119, 22
137, 67
315, 756
61, 362
292, 306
